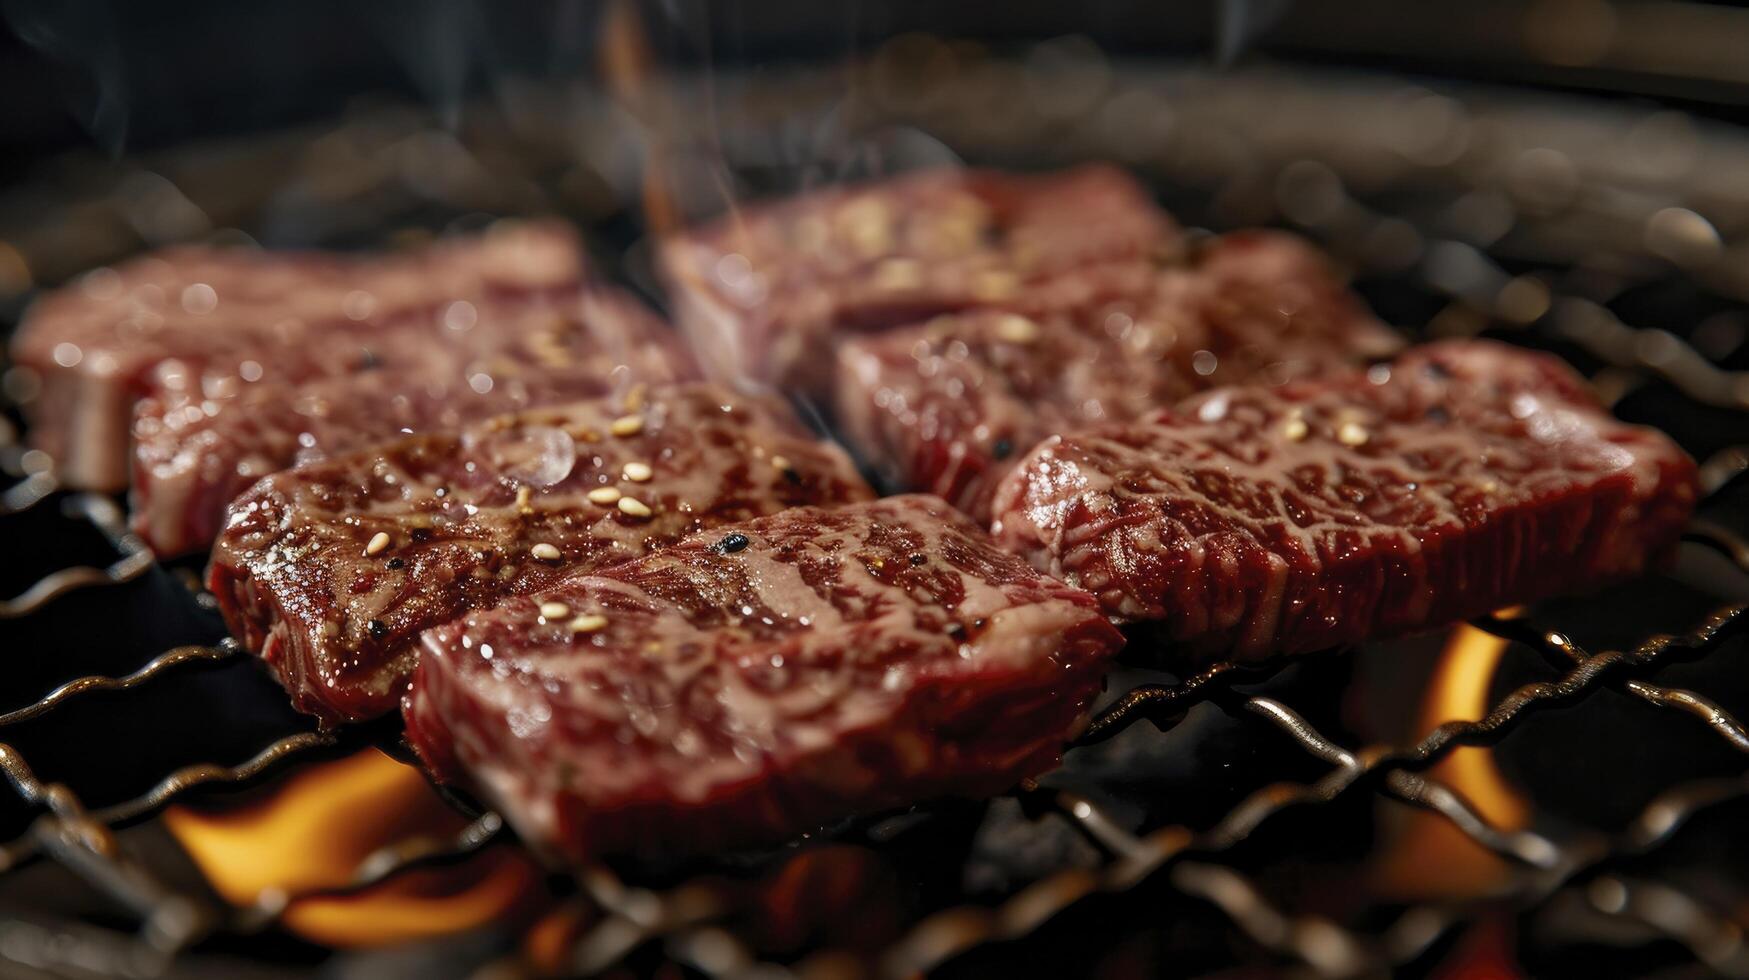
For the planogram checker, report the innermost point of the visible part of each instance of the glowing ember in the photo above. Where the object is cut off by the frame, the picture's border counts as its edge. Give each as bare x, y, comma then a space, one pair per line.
316, 830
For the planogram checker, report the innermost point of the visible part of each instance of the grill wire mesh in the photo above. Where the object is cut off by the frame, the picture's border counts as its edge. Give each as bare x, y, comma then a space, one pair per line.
1308, 173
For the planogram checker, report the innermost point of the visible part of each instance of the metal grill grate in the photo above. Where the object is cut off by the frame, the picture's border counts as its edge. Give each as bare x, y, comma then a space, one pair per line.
691, 923
71, 833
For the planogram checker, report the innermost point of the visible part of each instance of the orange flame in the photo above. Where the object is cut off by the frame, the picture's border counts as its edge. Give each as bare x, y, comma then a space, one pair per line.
1431, 857
548, 945
1484, 953
627, 65
315, 829
628, 69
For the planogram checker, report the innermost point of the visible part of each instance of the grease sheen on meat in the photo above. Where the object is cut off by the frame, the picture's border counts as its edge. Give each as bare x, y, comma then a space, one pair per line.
207, 320
753, 682
764, 292
947, 407
1252, 520
498, 509
196, 451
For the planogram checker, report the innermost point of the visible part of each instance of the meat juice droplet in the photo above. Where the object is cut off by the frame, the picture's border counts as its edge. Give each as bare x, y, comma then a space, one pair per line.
539, 455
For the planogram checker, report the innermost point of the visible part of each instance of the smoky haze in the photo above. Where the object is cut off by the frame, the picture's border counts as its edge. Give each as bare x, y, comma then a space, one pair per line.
127, 76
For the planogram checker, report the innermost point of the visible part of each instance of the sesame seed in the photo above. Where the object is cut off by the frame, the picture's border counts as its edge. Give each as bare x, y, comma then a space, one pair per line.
868, 224
549, 346
780, 462
1295, 429
546, 552
1351, 434
554, 610
634, 507
605, 496
635, 397
627, 425
590, 623
637, 472
523, 494
995, 284
1016, 329
379, 543
898, 274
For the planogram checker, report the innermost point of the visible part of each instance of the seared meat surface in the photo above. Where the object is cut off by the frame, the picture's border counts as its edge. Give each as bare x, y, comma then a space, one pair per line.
331, 570
206, 322
196, 452
1463, 477
765, 292
753, 681
947, 406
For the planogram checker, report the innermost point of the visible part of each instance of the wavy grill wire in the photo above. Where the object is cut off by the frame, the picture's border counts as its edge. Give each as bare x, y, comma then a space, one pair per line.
33, 482
688, 923
82, 838
133, 558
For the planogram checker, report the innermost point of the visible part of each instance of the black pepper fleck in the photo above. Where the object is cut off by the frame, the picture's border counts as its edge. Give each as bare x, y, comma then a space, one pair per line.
1002, 449
790, 474
378, 629
956, 630
397, 563
731, 544
421, 534
918, 559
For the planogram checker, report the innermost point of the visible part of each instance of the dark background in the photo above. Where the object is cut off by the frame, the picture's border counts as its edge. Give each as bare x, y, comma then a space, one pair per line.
120, 76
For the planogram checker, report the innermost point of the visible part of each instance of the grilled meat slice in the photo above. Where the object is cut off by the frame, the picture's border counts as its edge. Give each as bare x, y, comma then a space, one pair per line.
1464, 477
751, 682
765, 292
206, 321
331, 570
195, 452
948, 406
